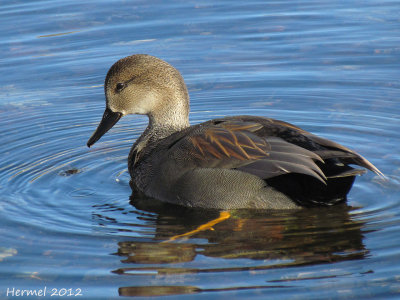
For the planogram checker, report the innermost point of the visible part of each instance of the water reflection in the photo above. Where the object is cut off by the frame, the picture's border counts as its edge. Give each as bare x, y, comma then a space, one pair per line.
272, 239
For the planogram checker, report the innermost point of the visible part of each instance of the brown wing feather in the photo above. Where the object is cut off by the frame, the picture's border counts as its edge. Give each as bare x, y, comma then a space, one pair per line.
266, 148
221, 142
234, 145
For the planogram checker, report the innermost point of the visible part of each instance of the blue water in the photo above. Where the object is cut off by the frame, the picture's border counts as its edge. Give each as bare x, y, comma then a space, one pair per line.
66, 221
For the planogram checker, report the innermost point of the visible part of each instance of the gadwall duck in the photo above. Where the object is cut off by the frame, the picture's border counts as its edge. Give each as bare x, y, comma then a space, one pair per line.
226, 163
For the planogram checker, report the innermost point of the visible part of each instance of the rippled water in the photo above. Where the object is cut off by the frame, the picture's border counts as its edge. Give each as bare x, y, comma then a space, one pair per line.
67, 220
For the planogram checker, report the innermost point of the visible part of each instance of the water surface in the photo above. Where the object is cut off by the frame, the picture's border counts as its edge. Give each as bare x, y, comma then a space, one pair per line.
67, 219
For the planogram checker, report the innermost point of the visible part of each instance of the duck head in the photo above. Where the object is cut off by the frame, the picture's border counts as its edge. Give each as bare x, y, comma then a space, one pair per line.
145, 85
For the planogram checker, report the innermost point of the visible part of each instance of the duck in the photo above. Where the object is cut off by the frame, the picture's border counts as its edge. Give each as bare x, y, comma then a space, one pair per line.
233, 162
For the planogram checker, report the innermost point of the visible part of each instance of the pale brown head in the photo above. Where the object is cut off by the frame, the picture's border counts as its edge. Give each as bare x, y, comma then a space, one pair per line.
146, 85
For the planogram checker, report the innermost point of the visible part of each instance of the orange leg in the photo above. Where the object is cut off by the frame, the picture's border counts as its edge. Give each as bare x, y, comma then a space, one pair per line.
223, 215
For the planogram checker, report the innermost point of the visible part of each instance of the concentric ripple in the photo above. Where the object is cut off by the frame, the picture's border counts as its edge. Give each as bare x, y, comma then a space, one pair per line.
51, 174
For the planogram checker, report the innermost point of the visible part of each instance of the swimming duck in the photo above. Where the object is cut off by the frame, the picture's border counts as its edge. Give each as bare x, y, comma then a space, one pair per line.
225, 163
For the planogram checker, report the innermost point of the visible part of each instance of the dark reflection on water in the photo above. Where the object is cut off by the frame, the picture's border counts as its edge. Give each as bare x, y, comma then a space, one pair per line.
281, 239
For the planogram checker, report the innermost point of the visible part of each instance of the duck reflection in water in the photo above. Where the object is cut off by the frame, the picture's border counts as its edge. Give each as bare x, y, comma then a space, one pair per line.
281, 238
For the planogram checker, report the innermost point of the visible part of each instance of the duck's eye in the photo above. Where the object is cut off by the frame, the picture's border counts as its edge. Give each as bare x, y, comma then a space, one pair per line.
120, 86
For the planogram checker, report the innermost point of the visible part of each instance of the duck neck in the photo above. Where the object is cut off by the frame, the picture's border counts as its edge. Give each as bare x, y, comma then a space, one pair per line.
157, 131
162, 124
171, 116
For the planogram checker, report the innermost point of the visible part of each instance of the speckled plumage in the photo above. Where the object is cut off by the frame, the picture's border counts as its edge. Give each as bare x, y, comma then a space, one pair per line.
228, 163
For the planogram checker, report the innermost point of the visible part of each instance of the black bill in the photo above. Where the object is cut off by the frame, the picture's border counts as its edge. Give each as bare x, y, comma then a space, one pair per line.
109, 119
